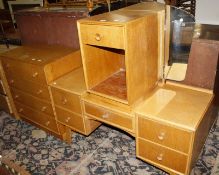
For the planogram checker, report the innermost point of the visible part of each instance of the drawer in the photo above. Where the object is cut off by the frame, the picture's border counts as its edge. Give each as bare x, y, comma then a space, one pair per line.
107, 116
100, 35
70, 119
165, 135
32, 101
66, 100
24, 71
37, 117
162, 156
4, 103
2, 91
39, 90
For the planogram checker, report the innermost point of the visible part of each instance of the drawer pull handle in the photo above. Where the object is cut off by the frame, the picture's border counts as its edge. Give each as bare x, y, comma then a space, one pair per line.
66, 120
7, 65
11, 81
161, 136
47, 123
16, 96
43, 109
160, 157
64, 101
20, 110
39, 92
97, 37
35, 74
105, 116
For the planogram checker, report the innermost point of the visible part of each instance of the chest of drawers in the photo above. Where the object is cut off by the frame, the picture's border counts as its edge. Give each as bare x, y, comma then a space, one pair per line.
29, 70
172, 126
67, 92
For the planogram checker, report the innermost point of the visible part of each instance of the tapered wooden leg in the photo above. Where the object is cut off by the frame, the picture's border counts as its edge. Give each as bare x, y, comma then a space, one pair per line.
65, 132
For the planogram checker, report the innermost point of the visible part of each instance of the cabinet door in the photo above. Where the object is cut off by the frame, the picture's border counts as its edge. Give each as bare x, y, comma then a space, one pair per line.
62, 30
32, 28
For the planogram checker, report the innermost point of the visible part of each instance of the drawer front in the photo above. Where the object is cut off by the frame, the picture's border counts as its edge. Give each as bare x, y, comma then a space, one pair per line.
162, 156
38, 90
66, 100
31, 101
109, 36
107, 116
70, 119
4, 103
1, 88
165, 135
24, 71
37, 117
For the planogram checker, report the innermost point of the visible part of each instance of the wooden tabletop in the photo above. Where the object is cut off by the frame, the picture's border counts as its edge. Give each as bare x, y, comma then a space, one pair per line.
177, 106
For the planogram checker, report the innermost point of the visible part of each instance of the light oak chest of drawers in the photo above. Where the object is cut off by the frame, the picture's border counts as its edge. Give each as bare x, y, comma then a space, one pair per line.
67, 92
29, 70
172, 125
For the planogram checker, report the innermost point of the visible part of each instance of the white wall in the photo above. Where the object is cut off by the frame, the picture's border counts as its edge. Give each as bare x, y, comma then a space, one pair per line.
207, 11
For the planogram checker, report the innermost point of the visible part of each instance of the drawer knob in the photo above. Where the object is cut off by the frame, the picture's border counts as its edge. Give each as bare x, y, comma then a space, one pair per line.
161, 136
35, 74
106, 115
160, 157
11, 81
43, 109
16, 96
39, 92
47, 123
97, 37
66, 120
7, 65
64, 101
20, 110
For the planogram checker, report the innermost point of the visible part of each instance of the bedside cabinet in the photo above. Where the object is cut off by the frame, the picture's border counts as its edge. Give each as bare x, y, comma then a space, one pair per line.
29, 70
67, 92
172, 125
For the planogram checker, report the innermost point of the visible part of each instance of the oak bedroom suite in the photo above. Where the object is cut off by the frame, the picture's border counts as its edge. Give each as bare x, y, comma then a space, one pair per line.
145, 69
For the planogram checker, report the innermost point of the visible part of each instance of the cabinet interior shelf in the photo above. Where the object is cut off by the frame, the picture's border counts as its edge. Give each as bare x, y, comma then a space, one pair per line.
114, 86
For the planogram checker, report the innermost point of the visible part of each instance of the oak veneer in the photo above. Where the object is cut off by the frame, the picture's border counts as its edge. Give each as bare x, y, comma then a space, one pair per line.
67, 92
29, 70
105, 53
177, 119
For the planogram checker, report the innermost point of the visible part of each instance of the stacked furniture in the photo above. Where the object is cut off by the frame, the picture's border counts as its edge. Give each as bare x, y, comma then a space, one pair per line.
122, 83
122, 55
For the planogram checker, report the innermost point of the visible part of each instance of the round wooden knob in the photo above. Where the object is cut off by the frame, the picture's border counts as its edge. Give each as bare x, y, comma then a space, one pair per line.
160, 157
64, 101
43, 109
21, 110
161, 136
16, 96
35, 74
47, 123
97, 37
105, 116
11, 81
39, 92
66, 120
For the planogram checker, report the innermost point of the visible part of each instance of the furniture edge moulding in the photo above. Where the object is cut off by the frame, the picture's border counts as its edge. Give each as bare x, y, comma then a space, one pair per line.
12, 108
145, 61
62, 66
